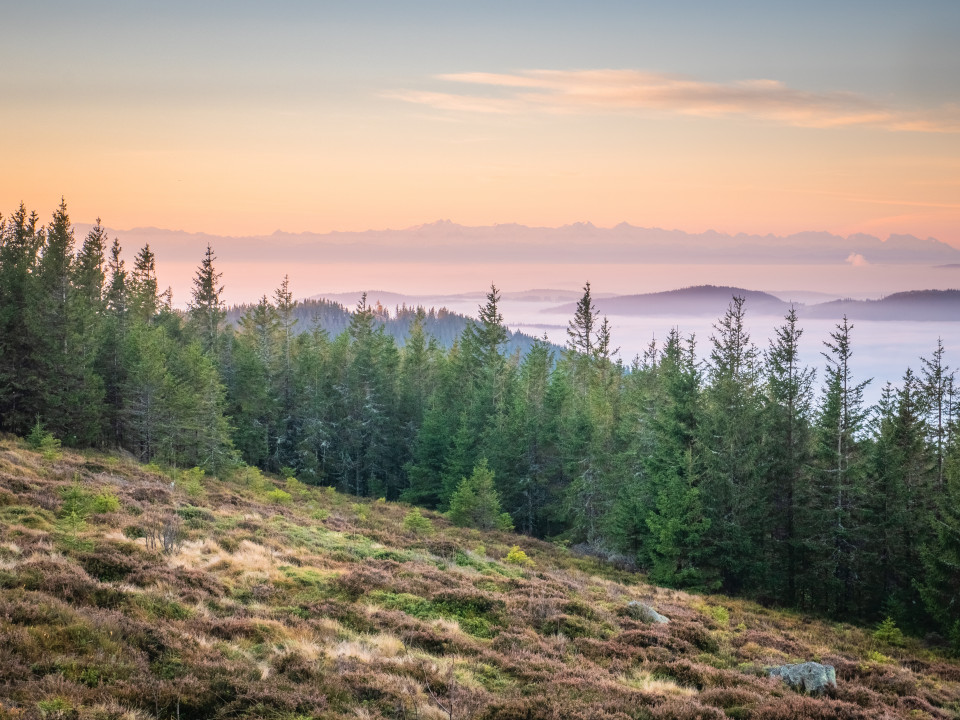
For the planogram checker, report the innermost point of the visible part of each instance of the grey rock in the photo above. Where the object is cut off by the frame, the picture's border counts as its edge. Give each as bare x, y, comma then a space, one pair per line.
644, 613
811, 677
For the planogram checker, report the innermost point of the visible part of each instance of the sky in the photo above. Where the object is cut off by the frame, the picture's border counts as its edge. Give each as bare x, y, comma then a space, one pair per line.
242, 118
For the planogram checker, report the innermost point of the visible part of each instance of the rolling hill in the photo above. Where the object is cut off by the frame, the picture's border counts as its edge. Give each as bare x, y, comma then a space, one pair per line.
708, 300
920, 305
132, 592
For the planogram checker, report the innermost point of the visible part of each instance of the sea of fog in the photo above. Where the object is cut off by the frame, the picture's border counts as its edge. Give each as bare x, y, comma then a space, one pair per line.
881, 350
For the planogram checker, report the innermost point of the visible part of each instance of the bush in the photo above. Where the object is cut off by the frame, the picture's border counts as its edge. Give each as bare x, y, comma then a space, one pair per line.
43, 441
516, 556
415, 522
476, 503
888, 632
192, 481
279, 497
106, 502
297, 488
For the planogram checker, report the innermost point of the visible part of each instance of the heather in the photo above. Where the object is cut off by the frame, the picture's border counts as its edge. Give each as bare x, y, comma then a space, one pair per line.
138, 591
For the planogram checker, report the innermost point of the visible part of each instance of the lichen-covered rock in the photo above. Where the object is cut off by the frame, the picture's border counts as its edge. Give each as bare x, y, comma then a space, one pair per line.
811, 677
644, 613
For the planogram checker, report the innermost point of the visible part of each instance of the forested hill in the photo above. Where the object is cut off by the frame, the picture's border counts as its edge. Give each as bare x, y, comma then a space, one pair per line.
442, 325
700, 300
920, 305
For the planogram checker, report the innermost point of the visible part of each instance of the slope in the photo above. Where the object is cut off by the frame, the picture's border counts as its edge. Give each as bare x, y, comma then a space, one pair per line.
131, 592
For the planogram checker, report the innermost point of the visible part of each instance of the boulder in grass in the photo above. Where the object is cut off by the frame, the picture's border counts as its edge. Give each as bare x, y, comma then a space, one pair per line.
811, 677
644, 613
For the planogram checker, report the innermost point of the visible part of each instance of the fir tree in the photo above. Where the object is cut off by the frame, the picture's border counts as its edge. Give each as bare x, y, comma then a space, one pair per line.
20, 376
475, 503
206, 307
789, 403
143, 300
732, 460
835, 541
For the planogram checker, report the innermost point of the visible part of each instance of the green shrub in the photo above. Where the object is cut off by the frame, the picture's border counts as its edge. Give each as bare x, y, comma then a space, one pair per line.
43, 441
253, 478
297, 488
55, 707
106, 502
719, 614
191, 481
76, 501
476, 503
279, 497
888, 632
415, 522
516, 556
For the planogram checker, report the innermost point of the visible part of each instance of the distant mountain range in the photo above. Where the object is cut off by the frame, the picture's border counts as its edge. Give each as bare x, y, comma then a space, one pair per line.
710, 300
447, 242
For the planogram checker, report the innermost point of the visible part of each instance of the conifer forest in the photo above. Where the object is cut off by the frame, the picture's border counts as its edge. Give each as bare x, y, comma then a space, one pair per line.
751, 472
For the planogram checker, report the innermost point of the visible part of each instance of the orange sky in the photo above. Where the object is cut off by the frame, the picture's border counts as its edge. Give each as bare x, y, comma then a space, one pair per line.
250, 121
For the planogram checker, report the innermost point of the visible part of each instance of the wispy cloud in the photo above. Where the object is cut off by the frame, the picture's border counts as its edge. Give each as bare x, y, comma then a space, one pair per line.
591, 91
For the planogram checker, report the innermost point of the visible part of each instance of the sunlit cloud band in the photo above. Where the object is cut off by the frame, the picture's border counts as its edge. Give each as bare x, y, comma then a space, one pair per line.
605, 91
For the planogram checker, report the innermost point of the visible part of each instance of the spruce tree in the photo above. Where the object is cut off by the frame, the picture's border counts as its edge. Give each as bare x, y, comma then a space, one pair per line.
939, 582
476, 503
20, 376
836, 536
788, 409
730, 435
111, 364
675, 551
206, 308
143, 300
580, 331
937, 380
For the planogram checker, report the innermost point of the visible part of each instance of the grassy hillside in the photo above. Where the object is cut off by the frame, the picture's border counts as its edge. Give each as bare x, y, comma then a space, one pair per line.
129, 592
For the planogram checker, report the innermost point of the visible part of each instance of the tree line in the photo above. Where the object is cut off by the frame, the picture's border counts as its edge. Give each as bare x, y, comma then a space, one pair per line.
740, 473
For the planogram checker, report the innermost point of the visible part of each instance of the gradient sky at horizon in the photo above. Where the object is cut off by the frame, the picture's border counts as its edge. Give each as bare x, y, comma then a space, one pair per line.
247, 117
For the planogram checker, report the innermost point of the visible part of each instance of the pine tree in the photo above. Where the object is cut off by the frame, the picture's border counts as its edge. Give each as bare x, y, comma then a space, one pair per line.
789, 403
476, 504
366, 401
20, 376
937, 382
900, 506
206, 308
149, 395
836, 540
200, 430
732, 460
282, 373
939, 582
111, 359
252, 404
143, 300
677, 523
533, 498
64, 317
580, 332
